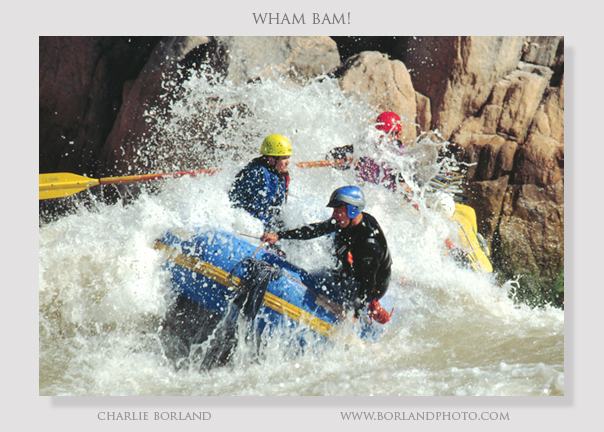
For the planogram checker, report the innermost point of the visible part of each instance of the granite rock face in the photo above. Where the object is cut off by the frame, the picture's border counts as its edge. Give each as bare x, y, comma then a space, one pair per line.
458, 73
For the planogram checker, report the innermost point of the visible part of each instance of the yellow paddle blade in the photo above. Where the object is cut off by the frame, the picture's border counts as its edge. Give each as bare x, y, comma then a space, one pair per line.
58, 185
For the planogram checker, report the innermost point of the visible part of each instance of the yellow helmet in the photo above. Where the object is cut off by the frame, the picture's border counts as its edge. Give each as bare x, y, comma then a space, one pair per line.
276, 145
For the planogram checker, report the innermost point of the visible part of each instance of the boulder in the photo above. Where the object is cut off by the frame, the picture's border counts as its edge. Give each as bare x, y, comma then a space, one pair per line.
512, 107
549, 118
514, 148
486, 197
300, 58
385, 84
424, 116
491, 156
543, 50
239, 59
119, 155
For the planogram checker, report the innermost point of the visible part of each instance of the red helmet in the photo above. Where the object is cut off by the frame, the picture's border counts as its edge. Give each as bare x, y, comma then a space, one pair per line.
389, 122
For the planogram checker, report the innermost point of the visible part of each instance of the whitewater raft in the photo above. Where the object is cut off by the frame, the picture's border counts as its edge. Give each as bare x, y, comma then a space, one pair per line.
210, 268
472, 242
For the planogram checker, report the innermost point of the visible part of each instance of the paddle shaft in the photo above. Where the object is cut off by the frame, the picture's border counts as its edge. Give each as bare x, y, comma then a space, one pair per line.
323, 163
56, 185
210, 171
147, 177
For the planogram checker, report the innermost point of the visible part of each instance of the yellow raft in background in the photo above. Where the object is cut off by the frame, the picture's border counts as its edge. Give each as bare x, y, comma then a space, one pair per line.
472, 242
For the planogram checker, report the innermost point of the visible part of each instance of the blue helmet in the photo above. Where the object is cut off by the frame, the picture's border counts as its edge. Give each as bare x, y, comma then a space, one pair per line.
352, 197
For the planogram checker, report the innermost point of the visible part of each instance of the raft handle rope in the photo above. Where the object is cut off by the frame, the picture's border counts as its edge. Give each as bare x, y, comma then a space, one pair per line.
260, 274
247, 260
323, 301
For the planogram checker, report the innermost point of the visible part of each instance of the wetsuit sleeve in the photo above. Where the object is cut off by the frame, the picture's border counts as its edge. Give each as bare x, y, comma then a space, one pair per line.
309, 231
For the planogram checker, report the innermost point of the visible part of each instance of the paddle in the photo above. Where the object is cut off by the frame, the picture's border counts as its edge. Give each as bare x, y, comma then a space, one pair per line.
323, 163
57, 185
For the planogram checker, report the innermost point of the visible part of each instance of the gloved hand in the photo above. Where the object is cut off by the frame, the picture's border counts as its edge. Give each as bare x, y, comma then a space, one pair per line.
378, 313
344, 152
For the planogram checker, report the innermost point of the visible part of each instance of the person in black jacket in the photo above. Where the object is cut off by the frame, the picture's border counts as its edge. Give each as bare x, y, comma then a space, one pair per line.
364, 263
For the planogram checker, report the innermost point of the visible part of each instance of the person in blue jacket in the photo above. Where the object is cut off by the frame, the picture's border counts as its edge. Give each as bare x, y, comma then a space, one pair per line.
261, 187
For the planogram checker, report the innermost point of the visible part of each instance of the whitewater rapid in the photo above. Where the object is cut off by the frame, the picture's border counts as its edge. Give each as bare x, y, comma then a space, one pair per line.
103, 291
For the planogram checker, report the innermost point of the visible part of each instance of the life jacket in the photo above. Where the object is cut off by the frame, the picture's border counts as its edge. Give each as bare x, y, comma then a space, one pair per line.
260, 190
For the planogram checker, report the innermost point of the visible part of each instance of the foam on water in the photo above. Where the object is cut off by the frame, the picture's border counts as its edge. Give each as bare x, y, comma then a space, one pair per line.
103, 291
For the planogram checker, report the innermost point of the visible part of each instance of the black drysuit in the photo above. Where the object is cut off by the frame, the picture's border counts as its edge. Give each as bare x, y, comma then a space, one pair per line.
364, 262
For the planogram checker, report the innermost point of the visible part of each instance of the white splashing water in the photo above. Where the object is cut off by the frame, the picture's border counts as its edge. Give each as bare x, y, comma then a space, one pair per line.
103, 291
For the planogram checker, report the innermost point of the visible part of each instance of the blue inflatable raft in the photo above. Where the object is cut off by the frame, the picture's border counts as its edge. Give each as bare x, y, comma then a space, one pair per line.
210, 268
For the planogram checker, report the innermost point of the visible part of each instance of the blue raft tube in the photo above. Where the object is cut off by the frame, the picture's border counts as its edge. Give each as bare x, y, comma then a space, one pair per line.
211, 268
